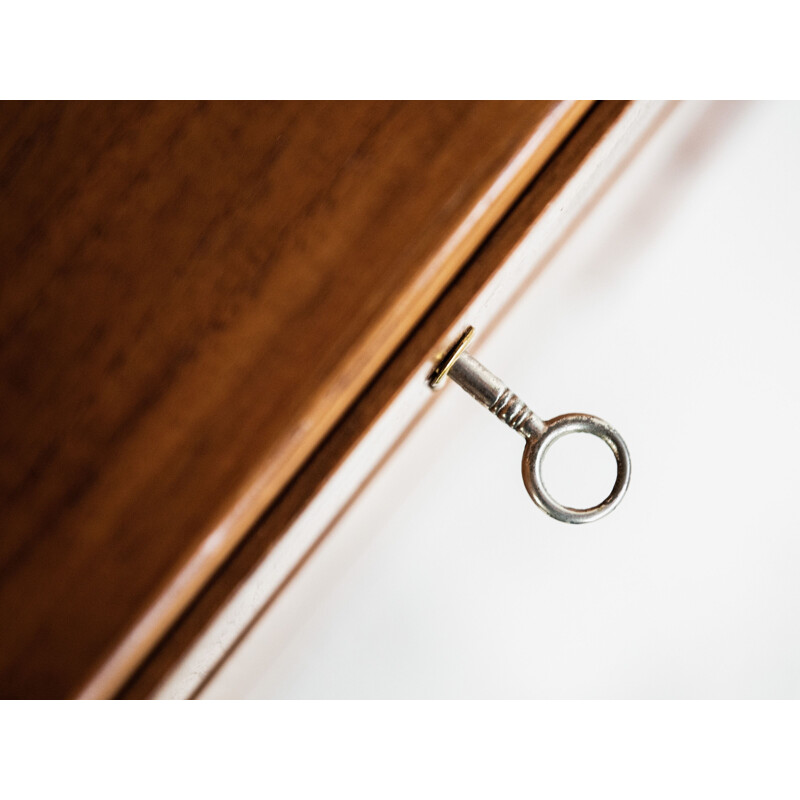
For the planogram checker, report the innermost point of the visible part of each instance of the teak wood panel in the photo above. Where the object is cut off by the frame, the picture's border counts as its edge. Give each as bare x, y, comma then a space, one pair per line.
415, 353
192, 295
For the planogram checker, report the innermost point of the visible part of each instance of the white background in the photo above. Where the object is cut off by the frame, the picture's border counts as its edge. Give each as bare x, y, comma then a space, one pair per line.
672, 313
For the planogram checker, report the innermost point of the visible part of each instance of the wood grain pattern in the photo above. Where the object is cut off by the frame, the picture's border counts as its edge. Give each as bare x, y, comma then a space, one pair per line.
191, 296
436, 329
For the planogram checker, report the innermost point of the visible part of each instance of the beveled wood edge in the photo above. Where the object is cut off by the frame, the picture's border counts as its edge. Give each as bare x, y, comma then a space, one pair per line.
297, 520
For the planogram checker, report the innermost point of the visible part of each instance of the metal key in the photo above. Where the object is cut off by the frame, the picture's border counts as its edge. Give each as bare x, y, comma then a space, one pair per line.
490, 391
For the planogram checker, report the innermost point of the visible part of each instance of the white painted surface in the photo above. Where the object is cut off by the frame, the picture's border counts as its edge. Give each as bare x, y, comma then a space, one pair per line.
672, 313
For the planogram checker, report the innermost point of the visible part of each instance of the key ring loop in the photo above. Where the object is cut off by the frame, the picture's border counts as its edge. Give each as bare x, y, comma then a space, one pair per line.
538, 445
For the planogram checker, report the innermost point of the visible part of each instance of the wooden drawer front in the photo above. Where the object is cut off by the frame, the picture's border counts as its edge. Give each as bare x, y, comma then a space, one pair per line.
193, 295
